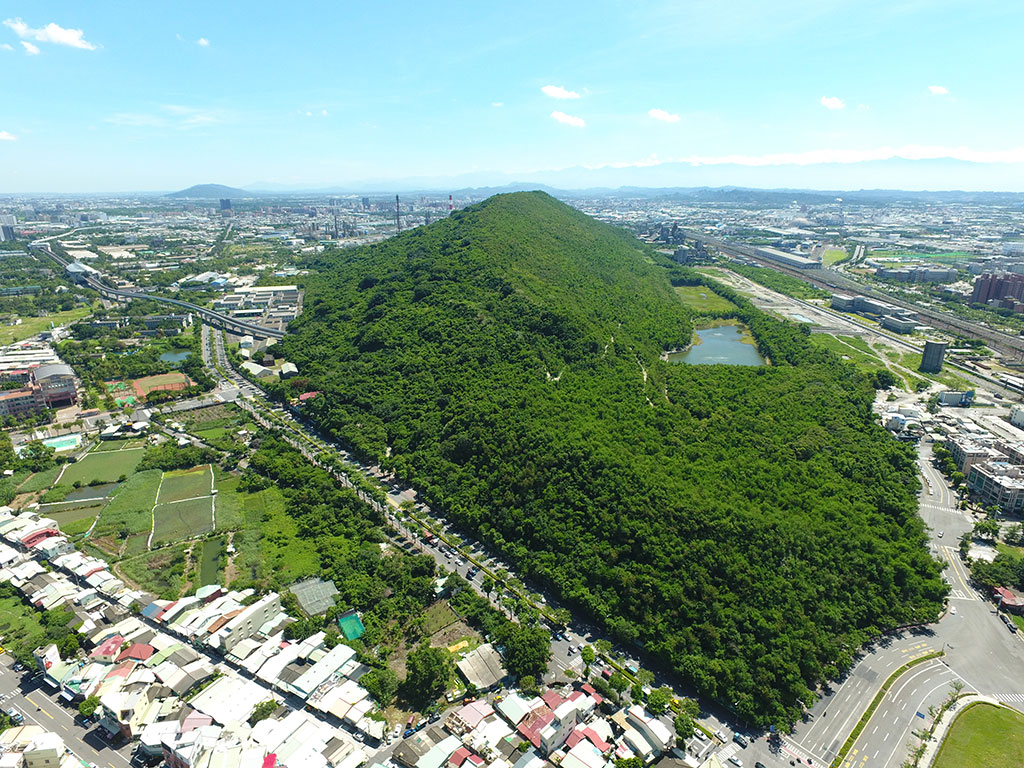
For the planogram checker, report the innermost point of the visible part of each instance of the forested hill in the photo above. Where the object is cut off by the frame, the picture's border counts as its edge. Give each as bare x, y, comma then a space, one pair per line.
749, 526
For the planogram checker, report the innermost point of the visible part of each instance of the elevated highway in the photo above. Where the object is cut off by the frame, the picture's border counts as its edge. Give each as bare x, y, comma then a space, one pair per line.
210, 316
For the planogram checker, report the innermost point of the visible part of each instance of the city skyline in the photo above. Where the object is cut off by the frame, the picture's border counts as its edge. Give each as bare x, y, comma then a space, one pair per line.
829, 95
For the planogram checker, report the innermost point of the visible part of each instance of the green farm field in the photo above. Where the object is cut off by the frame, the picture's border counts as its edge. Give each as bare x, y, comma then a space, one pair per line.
186, 484
129, 511
182, 520
106, 466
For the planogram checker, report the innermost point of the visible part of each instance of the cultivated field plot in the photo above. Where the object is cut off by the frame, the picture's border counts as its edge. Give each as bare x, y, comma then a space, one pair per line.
105, 467
172, 382
182, 519
186, 484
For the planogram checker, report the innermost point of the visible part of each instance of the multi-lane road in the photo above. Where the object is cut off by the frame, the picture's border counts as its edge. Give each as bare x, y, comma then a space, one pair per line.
41, 706
978, 650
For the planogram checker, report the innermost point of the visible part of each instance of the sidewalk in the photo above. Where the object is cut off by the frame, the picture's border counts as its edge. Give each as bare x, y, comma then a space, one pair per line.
947, 719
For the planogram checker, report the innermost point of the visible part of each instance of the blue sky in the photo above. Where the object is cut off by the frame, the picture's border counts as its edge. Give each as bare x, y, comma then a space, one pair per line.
106, 96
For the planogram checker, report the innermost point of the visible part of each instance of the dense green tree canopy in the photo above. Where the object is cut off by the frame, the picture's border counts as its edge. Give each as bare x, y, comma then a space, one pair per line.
749, 527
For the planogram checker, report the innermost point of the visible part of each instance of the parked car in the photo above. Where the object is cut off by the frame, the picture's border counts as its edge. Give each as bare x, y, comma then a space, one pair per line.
15, 715
736, 761
740, 739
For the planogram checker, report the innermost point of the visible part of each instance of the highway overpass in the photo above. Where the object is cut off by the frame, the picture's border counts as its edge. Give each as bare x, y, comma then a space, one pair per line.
210, 316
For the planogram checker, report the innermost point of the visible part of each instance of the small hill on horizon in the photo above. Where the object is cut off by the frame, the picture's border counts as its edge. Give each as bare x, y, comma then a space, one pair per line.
210, 191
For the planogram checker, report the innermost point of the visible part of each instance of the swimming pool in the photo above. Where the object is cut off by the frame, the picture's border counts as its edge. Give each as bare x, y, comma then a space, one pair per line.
64, 442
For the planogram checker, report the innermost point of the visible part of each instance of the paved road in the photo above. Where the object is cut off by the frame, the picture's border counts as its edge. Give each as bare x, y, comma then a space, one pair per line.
979, 651
42, 707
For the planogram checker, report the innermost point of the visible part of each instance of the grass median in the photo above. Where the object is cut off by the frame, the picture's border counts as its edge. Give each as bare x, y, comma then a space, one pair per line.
866, 717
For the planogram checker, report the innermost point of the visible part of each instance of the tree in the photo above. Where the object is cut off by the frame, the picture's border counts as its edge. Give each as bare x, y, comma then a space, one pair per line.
427, 672
645, 677
487, 583
528, 685
587, 654
629, 762
684, 726
262, 711
603, 646
88, 707
527, 649
689, 707
382, 685
1014, 535
658, 700
618, 681
986, 529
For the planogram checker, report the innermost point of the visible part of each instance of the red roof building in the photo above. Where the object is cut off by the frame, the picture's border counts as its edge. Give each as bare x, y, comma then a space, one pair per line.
137, 652
1008, 599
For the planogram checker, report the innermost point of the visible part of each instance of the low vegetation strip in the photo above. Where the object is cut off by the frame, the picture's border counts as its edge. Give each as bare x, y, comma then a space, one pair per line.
983, 734
866, 717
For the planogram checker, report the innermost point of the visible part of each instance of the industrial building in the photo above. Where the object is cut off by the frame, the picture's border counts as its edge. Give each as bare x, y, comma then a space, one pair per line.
789, 259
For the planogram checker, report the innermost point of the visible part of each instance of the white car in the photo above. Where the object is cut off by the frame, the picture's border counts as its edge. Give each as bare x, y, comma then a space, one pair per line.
736, 761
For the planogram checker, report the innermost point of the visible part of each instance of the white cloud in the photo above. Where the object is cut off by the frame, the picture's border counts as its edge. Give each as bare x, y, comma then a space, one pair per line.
6, 47
558, 92
832, 102
174, 116
5, 136
661, 114
202, 41
939, 90
497, 103
51, 33
561, 117
323, 112
30, 50
309, 114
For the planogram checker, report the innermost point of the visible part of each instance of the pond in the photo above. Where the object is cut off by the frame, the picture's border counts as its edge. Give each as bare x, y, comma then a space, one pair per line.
722, 344
175, 357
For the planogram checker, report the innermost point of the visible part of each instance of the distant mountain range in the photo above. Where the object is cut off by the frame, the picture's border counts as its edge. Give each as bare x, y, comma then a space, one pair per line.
881, 180
212, 191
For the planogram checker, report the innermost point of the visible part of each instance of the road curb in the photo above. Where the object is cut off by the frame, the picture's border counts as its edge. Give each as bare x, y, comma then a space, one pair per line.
873, 706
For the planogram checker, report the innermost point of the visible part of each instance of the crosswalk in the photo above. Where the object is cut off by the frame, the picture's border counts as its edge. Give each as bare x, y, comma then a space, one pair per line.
940, 508
1009, 698
959, 594
728, 751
